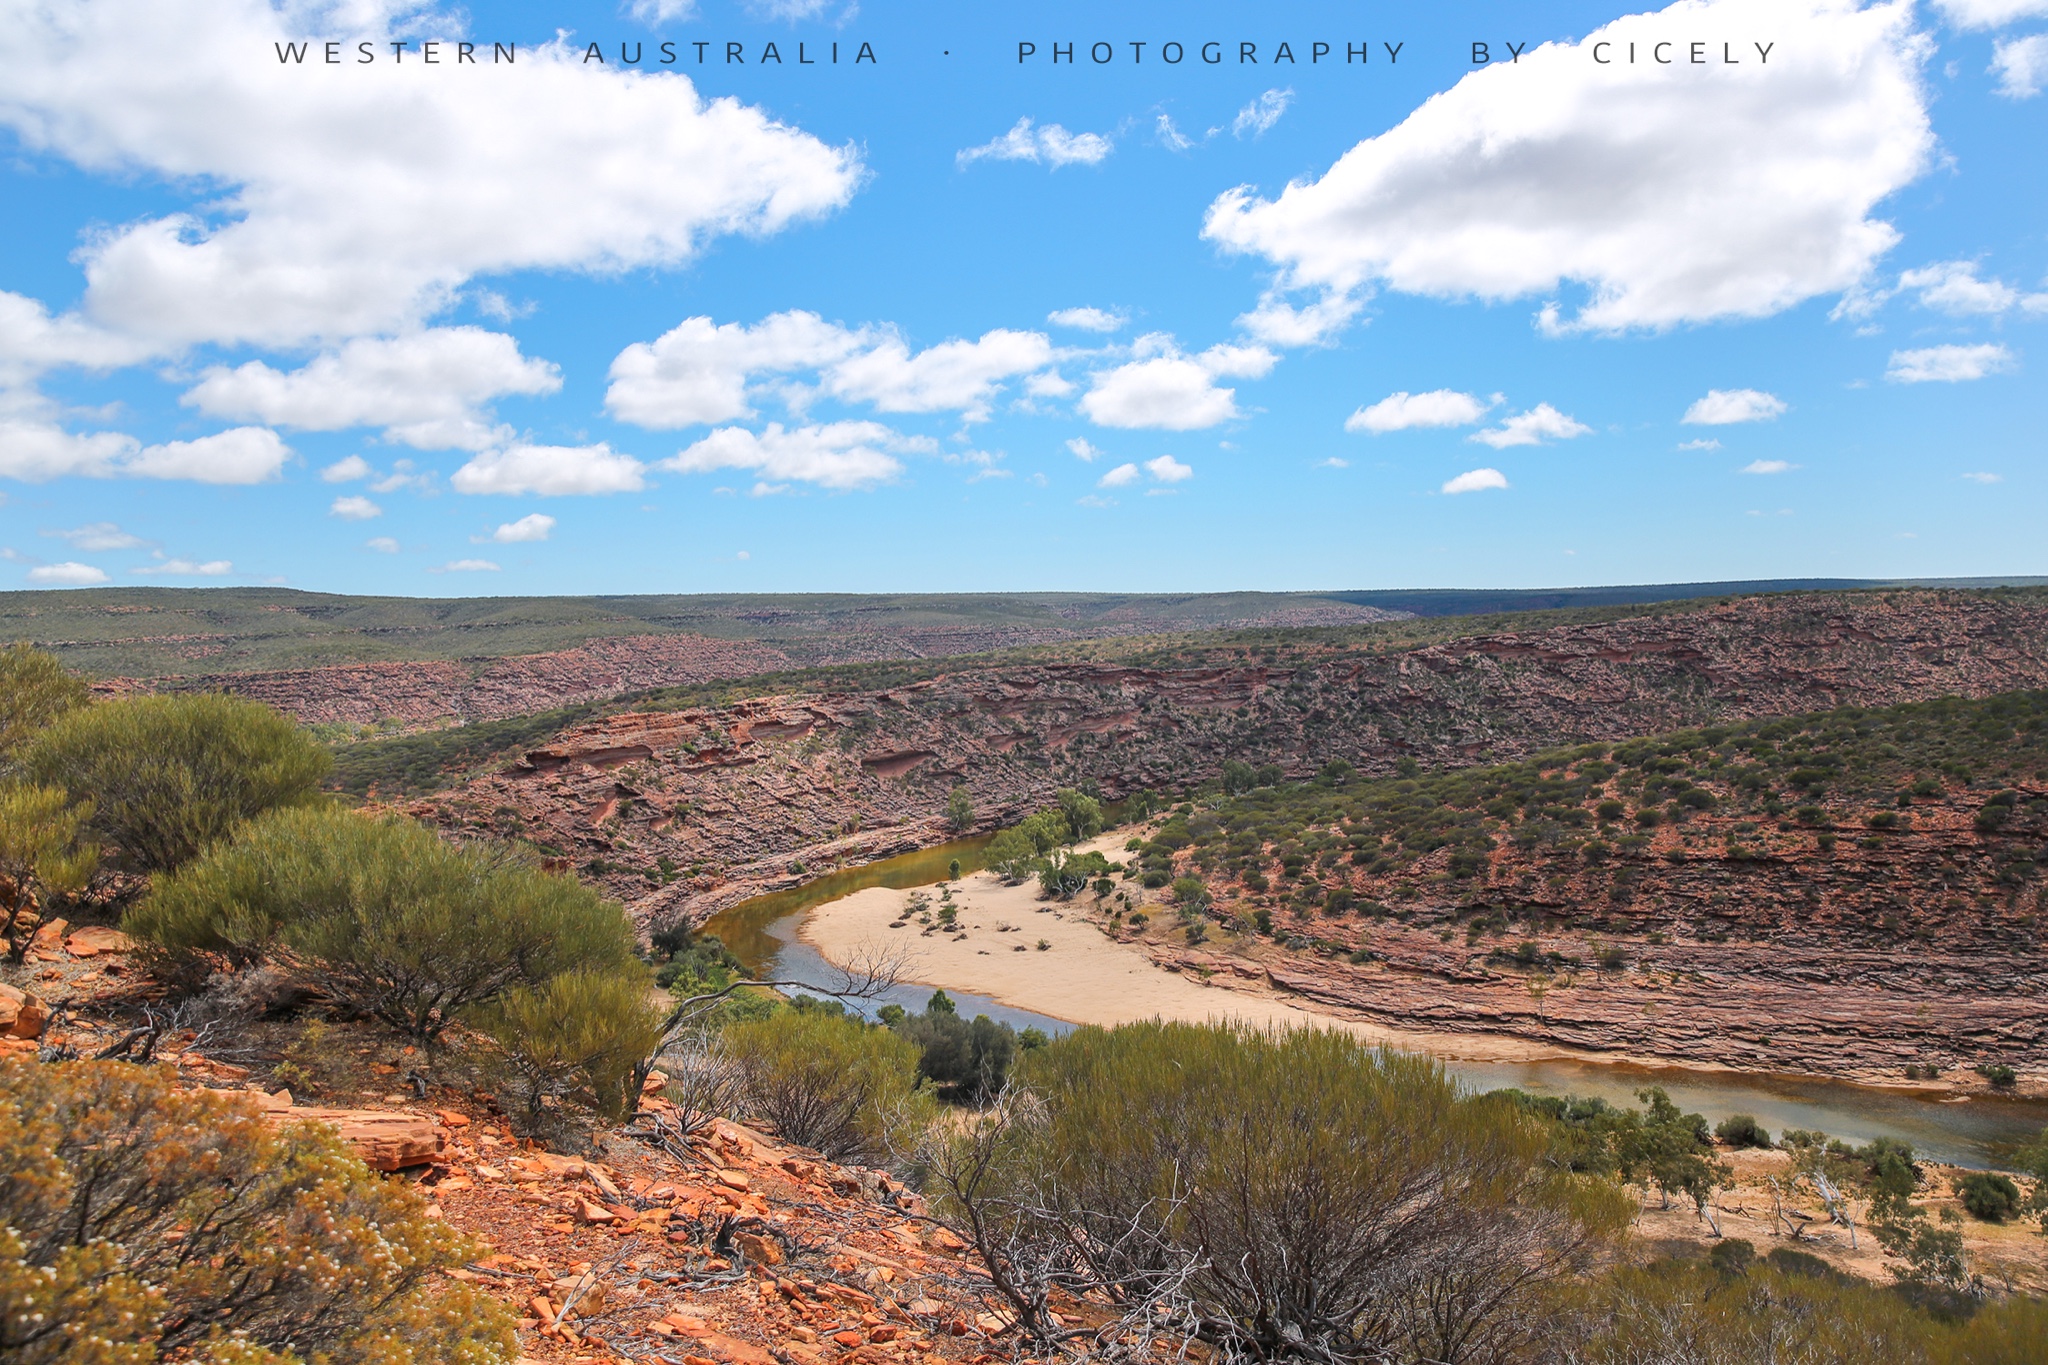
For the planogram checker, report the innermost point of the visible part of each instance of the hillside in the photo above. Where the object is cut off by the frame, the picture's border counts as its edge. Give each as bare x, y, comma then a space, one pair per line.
1848, 892
683, 810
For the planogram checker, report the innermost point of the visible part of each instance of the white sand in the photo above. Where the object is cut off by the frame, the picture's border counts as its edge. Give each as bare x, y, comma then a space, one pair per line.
1084, 976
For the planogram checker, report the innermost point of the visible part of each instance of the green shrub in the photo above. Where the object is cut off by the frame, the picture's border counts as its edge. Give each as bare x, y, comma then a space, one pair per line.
383, 914
42, 857
968, 1060
1741, 1130
34, 691
1989, 1196
170, 776
1732, 1255
829, 1082
2002, 1077
580, 1035
139, 1223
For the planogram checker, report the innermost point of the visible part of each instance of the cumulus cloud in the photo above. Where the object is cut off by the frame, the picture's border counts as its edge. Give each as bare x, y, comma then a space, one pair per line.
1476, 481
428, 389
1404, 411
98, 536
1703, 444
356, 202
2021, 65
552, 471
1724, 407
1166, 469
1989, 13
1953, 287
699, 372
1087, 319
1947, 364
1670, 193
1768, 467
354, 509
1980, 477
187, 568
32, 342
1262, 113
1172, 391
1082, 450
383, 545
1279, 322
531, 527
1118, 477
1531, 428
1051, 144
347, 470
835, 455
69, 574
240, 455
465, 566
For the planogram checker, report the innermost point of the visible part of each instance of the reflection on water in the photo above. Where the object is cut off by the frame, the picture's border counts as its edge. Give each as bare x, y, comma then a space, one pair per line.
1978, 1132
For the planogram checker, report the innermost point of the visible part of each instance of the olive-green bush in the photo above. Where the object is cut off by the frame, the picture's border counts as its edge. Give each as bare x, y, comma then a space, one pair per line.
170, 776
382, 914
827, 1081
139, 1223
34, 690
581, 1035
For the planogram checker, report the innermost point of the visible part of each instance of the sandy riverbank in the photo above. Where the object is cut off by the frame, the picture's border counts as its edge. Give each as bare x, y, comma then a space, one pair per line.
1086, 977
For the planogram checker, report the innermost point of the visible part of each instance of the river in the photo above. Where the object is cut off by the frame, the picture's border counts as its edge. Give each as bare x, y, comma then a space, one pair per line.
1979, 1131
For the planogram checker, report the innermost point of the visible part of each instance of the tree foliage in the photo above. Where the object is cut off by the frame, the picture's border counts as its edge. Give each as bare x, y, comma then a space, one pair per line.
34, 691
382, 914
138, 1222
581, 1033
42, 855
827, 1081
170, 776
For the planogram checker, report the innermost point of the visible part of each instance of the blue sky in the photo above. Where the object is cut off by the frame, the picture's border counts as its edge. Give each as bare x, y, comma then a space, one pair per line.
950, 320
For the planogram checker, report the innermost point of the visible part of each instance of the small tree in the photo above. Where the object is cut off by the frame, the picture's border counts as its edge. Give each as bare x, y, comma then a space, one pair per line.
41, 856
828, 1081
34, 690
960, 810
582, 1033
170, 776
1082, 812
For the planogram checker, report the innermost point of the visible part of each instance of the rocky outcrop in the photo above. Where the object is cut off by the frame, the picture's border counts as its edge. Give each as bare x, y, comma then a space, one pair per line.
682, 813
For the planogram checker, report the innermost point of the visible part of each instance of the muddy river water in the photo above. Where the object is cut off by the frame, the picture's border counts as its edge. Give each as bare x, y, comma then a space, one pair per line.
1978, 1131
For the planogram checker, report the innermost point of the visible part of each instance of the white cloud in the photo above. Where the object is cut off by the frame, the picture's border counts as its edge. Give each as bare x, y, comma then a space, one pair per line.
1947, 364
1768, 467
428, 389
837, 455
354, 509
1118, 477
1953, 287
34, 450
1051, 144
32, 342
1082, 450
1262, 113
1403, 411
552, 471
240, 455
1989, 13
1476, 481
1170, 137
1172, 391
1531, 428
383, 545
69, 574
1723, 407
186, 568
99, 535
347, 204
1980, 477
347, 470
2021, 65
466, 566
1334, 462
1670, 196
531, 527
1703, 444
1087, 319
654, 13
1166, 469
1281, 323
699, 372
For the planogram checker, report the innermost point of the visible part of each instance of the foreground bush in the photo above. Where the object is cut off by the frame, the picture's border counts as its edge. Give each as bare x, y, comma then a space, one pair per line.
828, 1081
383, 915
582, 1035
34, 690
1290, 1195
137, 1222
169, 776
